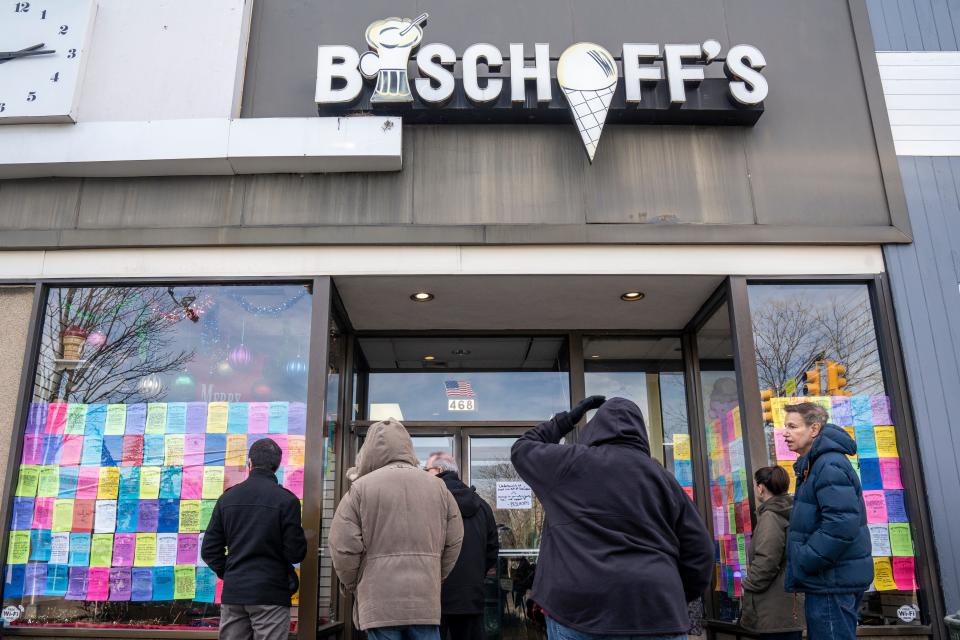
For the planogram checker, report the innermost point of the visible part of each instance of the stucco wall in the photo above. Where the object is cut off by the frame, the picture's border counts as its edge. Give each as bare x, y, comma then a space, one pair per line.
15, 305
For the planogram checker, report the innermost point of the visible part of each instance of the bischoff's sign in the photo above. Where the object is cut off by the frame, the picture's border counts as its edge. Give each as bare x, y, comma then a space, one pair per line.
662, 84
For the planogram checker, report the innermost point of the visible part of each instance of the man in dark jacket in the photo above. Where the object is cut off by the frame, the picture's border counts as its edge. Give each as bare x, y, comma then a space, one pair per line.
828, 546
461, 596
252, 542
623, 549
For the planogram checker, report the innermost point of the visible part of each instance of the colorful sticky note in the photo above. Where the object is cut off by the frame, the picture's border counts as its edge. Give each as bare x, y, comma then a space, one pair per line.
217, 413
189, 516
176, 417
105, 516
129, 482
56, 418
48, 481
83, 515
297, 418
14, 576
237, 417
866, 440
111, 455
79, 550
76, 419
28, 480
43, 513
133, 450
96, 420
233, 476
258, 417
215, 448
22, 517
59, 548
101, 550
167, 549
88, 481
32, 449
92, 450
116, 420
212, 483
173, 445
52, 448
77, 583
870, 477
281, 441
35, 580
163, 587
150, 483
876, 505
883, 575
18, 548
155, 449
137, 418
890, 473
193, 449
170, 482
886, 438
196, 417
68, 482
904, 574
36, 417
896, 509
121, 584
148, 515
294, 481
191, 484
98, 584
127, 516
879, 539
168, 518
184, 581
277, 417
142, 579
682, 469
57, 576
62, 515
206, 512
901, 542
71, 451
124, 549
187, 548
880, 408
206, 585
297, 446
236, 454
145, 551
108, 486
156, 418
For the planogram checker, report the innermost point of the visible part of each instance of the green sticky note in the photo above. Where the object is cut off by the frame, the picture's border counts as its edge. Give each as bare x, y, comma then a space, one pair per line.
901, 543
156, 418
206, 512
184, 582
76, 419
116, 420
48, 481
101, 550
742, 549
19, 550
27, 483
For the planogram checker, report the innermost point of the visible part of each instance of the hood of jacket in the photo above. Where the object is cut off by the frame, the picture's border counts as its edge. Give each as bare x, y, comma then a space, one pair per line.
386, 443
618, 421
780, 505
467, 499
832, 438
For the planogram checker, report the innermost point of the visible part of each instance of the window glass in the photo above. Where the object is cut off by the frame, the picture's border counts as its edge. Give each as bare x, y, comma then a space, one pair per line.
648, 371
145, 403
818, 343
326, 588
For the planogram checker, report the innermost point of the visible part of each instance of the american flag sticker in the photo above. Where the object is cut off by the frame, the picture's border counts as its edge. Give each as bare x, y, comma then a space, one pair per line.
458, 389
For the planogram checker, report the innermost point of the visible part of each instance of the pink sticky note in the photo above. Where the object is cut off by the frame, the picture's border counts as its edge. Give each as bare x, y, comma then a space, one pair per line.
98, 583
187, 548
71, 449
191, 484
56, 417
218, 592
193, 444
258, 418
33, 448
43, 513
124, 545
904, 574
281, 440
780, 442
87, 481
876, 504
233, 476
293, 480
890, 473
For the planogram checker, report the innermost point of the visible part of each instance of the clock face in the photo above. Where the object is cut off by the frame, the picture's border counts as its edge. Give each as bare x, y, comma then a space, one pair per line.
43, 87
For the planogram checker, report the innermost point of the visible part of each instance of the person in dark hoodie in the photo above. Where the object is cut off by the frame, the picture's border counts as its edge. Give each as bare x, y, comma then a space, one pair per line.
623, 549
461, 596
828, 546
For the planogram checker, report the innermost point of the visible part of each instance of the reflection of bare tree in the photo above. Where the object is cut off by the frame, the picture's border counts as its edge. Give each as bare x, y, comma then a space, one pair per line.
789, 332
136, 325
524, 525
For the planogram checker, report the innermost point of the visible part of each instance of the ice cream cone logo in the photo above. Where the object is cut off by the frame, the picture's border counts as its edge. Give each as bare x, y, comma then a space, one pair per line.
587, 73
391, 42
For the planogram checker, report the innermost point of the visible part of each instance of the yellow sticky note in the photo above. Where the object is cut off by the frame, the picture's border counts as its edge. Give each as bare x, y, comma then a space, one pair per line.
295, 598
101, 550
150, 483
776, 406
788, 467
236, 455
28, 481
109, 485
145, 552
681, 446
296, 450
212, 482
173, 450
19, 550
63, 515
48, 481
156, 418
883, 575
217, 417
886, 442
189, 516
116, 420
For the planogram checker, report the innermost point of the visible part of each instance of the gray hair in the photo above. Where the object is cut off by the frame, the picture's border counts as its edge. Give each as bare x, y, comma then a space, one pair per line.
811, 413
443, 461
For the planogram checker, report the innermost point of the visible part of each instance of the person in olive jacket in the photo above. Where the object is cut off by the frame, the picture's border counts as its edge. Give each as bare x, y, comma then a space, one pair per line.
828, 547
623, 548
252, 542
767, 608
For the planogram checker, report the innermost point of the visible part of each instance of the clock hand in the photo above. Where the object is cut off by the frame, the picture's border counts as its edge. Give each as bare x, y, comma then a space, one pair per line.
35, 50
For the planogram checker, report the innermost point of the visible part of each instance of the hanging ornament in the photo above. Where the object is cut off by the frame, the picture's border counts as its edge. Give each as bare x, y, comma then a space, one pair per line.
96, 339
240, 356
72, 340
150, 385
296, 368
223, 368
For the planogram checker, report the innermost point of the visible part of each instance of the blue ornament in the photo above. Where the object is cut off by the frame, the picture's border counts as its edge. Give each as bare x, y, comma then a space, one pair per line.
296, 368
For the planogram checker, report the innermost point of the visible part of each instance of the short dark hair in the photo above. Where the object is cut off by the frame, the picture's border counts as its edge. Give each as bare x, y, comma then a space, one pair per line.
775, 479
265, 454
812, 413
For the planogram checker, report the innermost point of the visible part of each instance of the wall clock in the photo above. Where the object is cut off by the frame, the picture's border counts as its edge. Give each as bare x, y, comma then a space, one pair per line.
43, 49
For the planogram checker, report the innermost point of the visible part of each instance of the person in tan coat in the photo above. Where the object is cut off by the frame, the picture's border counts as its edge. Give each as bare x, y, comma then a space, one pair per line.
395, 537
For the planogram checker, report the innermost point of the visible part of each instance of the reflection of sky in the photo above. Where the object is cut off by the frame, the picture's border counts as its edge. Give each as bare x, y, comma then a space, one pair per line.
631, 385
506, 395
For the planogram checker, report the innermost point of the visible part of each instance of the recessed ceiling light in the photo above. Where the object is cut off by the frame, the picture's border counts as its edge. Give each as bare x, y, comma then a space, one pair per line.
429, 358
594, 356
422, 296
632, 296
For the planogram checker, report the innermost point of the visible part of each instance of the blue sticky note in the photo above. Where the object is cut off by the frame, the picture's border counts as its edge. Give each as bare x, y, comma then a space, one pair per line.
168, 517
136, 419
14, 575
96, 420
22, 518
870, 477
683, 469
35, 580
79, 550
170, 478
153, 450
279, 473
866, 440
57, 578
40, 545
52, 444
92, 450
162, 583
896, 508
68, 482
237, 413
112, 452
176, 418
142, 580
127, 515
129, 483
206, 585
149, 512
861, 410
215, 449
277, 417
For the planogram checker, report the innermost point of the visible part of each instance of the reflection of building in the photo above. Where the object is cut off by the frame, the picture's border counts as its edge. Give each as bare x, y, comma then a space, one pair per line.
528, 253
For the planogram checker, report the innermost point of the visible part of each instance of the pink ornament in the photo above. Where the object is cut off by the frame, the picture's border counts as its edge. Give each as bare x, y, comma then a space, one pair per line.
240, 357
96, 339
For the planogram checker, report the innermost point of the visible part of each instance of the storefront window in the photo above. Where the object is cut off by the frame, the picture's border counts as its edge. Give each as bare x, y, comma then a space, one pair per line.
729, 488
145, 403
326, 588
818, 343
465, 379
648, 371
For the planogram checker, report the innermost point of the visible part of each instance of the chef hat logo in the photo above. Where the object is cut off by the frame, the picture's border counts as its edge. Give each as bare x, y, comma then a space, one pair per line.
391, 42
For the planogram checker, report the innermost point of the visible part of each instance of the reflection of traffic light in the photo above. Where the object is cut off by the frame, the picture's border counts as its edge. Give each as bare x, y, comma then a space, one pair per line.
810, 382
835, 380
767, 404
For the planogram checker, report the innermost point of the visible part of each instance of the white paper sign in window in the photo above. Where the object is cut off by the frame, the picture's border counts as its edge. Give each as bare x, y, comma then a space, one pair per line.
514, 495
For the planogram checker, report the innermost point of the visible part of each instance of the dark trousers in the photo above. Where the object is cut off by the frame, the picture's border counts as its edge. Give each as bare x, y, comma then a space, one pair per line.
784, 635
832, 616
461, 627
